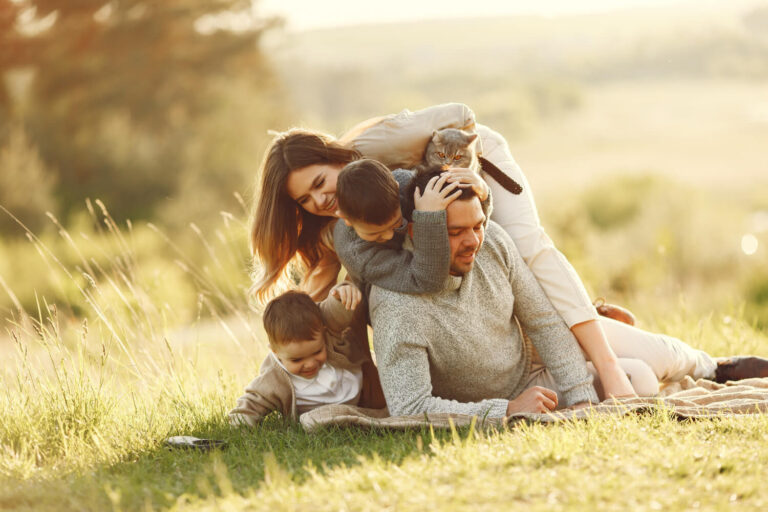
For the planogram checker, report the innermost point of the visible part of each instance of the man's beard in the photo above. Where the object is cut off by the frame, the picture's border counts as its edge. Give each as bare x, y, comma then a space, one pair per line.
459, 269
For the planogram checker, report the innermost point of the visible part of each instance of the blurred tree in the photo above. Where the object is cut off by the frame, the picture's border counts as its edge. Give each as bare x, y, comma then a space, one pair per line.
118, 85
26, 185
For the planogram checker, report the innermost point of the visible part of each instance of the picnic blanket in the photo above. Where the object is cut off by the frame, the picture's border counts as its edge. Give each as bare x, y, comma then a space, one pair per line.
684, 399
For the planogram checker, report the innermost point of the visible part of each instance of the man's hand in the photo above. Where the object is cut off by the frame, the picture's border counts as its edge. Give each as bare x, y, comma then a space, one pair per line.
535, 399
466, 177
433, 199
348, 294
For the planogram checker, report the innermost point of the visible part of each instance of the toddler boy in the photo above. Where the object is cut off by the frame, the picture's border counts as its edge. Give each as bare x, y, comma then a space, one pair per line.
319, 355
369, 241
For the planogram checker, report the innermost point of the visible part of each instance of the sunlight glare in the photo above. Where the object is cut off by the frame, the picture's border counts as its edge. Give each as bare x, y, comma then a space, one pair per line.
749, 244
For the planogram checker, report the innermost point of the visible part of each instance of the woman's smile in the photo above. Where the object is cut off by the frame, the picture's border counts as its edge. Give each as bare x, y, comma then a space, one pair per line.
314, 188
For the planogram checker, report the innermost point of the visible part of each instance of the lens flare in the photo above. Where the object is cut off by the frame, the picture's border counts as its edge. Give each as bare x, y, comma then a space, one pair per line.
749, 244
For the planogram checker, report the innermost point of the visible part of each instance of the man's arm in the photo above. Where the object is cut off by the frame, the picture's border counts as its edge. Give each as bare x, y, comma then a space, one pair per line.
389, 266
556, 345
403, 363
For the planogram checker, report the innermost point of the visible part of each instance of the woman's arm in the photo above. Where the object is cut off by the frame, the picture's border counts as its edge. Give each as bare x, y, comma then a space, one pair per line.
517, 215
399, 140
322, 277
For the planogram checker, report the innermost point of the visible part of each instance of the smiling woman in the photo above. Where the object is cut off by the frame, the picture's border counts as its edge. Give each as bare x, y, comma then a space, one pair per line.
314, 188
295, 206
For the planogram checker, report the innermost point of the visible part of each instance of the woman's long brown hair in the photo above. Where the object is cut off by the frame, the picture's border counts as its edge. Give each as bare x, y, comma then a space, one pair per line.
280, 229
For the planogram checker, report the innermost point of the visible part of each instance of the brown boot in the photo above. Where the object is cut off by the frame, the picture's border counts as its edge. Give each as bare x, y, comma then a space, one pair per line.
741, 367
617, 313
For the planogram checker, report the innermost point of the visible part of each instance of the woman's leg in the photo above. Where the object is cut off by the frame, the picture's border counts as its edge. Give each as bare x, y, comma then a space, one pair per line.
669, 358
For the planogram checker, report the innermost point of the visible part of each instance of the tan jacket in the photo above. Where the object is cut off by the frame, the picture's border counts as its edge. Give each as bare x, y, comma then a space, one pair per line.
346, 341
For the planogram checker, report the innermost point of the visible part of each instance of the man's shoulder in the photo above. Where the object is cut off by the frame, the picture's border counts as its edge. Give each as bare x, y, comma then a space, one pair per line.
499, 244
497, 238
392, 300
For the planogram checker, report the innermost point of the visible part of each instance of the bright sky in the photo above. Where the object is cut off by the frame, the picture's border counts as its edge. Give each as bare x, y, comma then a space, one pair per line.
312, 14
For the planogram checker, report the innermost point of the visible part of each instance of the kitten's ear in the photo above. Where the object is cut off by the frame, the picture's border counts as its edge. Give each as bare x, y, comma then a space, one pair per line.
471, 138
435, 136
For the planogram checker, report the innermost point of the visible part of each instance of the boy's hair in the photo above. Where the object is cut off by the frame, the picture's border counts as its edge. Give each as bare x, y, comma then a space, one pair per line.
367, 192
292, 316
420, 180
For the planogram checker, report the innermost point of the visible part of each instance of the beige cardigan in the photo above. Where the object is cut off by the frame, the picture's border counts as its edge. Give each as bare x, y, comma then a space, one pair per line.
346, 340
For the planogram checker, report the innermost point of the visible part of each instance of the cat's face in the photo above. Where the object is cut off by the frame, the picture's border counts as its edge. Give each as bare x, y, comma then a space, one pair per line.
451, 148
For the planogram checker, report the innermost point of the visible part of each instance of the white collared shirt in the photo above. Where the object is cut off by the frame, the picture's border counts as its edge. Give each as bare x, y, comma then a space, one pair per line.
330, 385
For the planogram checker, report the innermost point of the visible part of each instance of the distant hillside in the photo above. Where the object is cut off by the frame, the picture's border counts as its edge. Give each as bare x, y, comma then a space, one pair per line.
534, 65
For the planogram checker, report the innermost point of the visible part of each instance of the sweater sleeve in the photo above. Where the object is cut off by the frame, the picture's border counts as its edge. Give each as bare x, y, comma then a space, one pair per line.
390, 266
404, 369
517, 215
399, 140
266, 393
335, 316
556, 345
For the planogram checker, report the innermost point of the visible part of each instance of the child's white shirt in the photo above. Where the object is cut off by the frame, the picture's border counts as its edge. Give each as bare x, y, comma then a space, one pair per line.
331, 385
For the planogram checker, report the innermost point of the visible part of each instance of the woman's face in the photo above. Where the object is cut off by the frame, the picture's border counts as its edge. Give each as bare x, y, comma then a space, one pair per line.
314, 188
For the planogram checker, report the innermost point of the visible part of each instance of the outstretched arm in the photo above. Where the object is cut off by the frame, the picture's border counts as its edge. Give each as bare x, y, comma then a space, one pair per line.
390, 266
517, 215
268, 392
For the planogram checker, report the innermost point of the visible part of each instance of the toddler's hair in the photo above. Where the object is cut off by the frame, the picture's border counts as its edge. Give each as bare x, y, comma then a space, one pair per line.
366, 191
292, 316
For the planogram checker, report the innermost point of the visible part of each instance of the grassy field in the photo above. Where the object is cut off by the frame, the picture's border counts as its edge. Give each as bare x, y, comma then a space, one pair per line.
87, 404
117, 336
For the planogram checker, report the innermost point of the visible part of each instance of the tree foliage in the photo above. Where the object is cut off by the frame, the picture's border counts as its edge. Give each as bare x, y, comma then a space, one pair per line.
118, 86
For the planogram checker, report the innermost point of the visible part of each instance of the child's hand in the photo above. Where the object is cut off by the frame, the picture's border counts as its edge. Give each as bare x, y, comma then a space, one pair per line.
348, 294
466, 177
433, 199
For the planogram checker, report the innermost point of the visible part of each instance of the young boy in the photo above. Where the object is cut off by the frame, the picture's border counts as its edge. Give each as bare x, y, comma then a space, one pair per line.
369, 241
319, 355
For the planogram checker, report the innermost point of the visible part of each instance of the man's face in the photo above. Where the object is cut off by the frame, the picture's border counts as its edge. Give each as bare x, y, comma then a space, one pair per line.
465, 233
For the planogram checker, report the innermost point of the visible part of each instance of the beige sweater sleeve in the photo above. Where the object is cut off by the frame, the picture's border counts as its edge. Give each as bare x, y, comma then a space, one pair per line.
399, 140
270, 391
517, 215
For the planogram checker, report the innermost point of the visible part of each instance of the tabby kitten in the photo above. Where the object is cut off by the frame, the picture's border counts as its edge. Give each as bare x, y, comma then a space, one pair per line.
456, 148
452, 148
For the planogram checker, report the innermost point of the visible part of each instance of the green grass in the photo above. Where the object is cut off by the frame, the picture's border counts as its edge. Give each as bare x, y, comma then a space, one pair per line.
86, 402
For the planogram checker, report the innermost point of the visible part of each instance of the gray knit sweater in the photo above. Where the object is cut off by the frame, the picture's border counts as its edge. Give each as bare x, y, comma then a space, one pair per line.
460, 351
